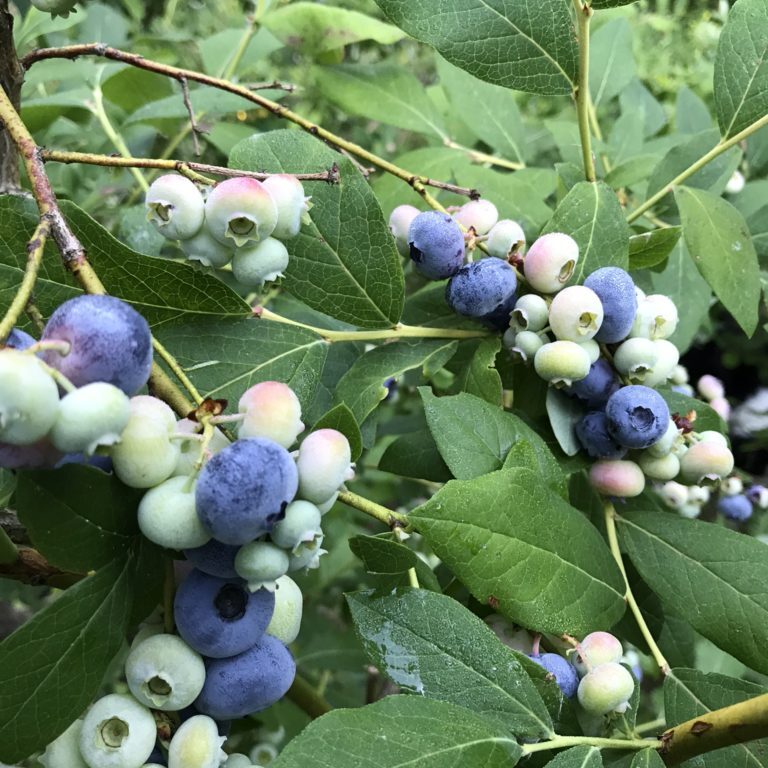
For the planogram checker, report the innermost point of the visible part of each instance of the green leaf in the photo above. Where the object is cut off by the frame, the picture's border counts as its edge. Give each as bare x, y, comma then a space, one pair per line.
691, 113
523, 455
612, 66
362, 387
719, 242
651, 248
401, 732
53, 666
647, 758
528, 46
480, 377
315, 28
592, 216
341, 418
600, 4
345, 263
709, 576
415, 455
741, 67
79, 517
564, 414
384, 92
578, 757
473, 436
431, 645
549, 571
384, 555
706, 416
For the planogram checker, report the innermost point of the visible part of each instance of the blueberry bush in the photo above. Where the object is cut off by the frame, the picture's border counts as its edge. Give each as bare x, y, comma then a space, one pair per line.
373, 383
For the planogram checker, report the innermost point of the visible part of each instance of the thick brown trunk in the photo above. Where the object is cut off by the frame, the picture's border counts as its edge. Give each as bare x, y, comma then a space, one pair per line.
11, 77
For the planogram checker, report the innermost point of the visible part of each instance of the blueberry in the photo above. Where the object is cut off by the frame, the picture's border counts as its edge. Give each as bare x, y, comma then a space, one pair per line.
592, 432
301, 524
656, 317
55, 7
436, 245
110, 341
617, 294
484, 290
214, 558
660, 468
758, 495
324, 464
595, 649
239, 211
289, 604
261, 563
206, 249
272, 410
620, 479
562, 362
738, 507
564, 674
261, 263
196, 744
637, 416
706, 461
597, 386
576, 314
480, 215
505, 234
175, 206
64, 751
291, 203
606, 689
220, 617
18, 339
250, 682
531, 313
244, 489
399, 223
39, 455
550, 262
167, 515
710, 387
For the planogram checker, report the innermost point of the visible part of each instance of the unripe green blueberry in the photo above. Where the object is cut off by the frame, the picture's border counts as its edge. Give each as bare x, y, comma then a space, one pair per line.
286, 618
117, 732
146, 455
606, 689
307, 556
531, 313
325, 506
399, 222
240, 211
517, 639
505, 234
636, 358
237, 760
175, 206
163, 672
168, 518
300, 525
666, 442
261, 564
93, 415
55, 7
203, 247
261, 263
291, 203
508, 338
29, 398
712, 436
576, 314
196, 744
592, 348
526, 344
656, 318
271, 410
550, 262
480, 215
324, 464
562, 362
668, 357
64, 751
189, 450
708, 461
622, 479
660, 467
673, 494
595, 649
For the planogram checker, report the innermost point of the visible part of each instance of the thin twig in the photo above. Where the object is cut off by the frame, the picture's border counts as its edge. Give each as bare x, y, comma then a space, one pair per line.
191, 112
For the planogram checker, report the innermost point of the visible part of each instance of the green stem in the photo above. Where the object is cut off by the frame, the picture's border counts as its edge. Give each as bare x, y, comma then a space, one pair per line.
398, 331
583, 15
483, 157
413, 579
8, 552
177, 370
722, 146
651, 725
561, 742
387, 516
613, 542
304, 696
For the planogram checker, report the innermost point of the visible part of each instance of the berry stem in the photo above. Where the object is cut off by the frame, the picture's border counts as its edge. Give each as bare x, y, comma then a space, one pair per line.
387, 516
483, 157
651, 725
58, 377
613, 542
177, 370
307, 698
562, 742
583, 16
9, 552
35, 248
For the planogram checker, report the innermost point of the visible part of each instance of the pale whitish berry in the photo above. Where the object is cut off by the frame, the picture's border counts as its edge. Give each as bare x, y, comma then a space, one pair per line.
562, 362
93, 415
263, 754
526, 344
117, 732
307, 556
706, 462
595, 649
271, 410
175, 206
659, 467
679, 375
291, 202
721, 407
758, 495
168, 518
503, 237
673, 494
731, 486
300, 525
690, 511
324, 464
261, 563
399, 223
699, 494
666, 442
64, 751
636, 359
710, 387
713, 436
623, 479
606, 689
531, 313
203, 247
189, 450
286, 619
261, 263
517, 639
668, 356
592, 348
239, 211
196, 744
326, 505
575, 314
736, 183
480, 215
163, 672
550, 262
237, 760
29, 398
656, 318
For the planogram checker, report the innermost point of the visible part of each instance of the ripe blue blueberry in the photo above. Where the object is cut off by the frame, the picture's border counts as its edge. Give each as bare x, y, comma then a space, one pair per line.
484, 290
220, 617
244, 489
214, 558
597, 386
436, 245
617, 294
175, 206
563, 672
592, 432
109, 341
738, 507
18, 339
38, 455
247, 683
637, 416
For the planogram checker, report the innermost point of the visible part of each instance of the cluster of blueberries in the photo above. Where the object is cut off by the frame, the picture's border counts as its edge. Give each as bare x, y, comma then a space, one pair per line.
244, 513
240, 222
605, 343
